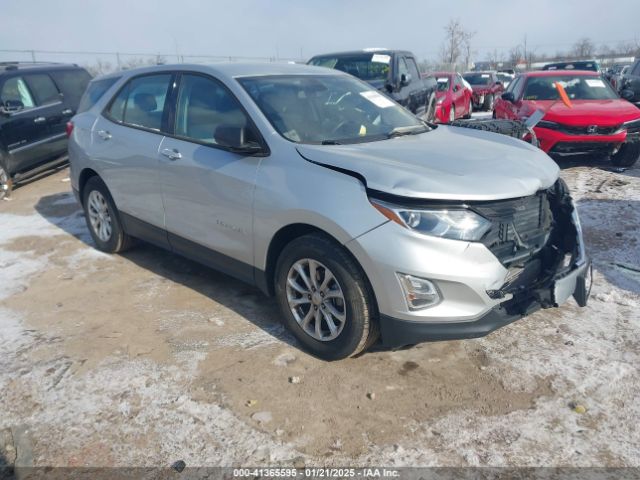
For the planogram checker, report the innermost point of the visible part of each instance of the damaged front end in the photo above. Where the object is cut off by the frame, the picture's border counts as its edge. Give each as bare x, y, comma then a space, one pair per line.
539, 240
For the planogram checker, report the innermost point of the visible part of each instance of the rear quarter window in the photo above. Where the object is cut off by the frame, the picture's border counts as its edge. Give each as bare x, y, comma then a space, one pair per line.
72, 83
95, 90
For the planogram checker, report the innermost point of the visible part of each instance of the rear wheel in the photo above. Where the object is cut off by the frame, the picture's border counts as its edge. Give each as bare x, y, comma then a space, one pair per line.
325, 298
488, 103
102, 218
627, 155
5, 182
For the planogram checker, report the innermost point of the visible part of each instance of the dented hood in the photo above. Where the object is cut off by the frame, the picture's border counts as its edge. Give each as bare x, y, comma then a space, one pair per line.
447, 163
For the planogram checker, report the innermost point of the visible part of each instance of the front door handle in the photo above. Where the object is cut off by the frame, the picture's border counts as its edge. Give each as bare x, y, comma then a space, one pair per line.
104, 134
171, 154
67, 111
39, 120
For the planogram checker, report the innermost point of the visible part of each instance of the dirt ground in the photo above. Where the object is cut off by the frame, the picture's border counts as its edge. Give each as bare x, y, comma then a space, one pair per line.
146, 358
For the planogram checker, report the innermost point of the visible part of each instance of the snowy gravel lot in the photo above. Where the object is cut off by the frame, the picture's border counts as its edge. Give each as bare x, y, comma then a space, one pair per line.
145, 359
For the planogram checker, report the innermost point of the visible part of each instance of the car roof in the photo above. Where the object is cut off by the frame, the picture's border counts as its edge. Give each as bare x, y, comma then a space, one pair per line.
36, 67
232, 69
555, 73
473, 72
380, 51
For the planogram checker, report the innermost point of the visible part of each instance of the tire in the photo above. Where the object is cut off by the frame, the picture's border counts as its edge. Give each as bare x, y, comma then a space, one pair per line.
6, 184
356, 326
627, 155
489, 100
468, 115
512, 128
99, 206
452, 113
430, 109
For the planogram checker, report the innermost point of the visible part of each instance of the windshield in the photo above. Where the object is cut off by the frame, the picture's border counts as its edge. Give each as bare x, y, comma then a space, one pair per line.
328, 109
478, 78
366, 66
577, 88
443, 84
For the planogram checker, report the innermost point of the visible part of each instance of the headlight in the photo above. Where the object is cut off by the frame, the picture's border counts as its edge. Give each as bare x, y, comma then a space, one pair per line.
456, 224
439, 101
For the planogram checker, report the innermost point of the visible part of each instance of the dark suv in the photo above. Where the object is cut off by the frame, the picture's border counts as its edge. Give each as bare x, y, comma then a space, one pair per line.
630, 84
36, 101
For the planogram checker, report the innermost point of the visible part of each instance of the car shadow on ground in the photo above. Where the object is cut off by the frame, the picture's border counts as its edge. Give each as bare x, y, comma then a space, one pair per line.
243, 299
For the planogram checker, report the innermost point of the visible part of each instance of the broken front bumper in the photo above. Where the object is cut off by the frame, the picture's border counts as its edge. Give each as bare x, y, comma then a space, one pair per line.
576, 283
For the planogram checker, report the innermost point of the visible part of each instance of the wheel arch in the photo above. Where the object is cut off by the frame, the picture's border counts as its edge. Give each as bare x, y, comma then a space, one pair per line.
84, 177
286, 235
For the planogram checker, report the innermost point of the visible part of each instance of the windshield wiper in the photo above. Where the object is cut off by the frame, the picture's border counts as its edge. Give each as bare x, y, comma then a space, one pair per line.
412, 130
330, 142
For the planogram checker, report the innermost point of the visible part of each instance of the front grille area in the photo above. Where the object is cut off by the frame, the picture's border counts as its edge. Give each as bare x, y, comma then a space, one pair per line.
584, 130
583, 148
521, 226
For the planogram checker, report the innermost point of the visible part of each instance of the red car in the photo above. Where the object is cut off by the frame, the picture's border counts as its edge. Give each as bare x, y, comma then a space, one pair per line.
453, 99
598, 122
487, 88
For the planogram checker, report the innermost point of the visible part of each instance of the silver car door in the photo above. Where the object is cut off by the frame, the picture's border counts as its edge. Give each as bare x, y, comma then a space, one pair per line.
208, 188
125, 143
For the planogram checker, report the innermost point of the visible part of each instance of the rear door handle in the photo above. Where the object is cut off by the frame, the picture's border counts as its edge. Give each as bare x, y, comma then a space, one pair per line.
171, 154
39, 120
104, 134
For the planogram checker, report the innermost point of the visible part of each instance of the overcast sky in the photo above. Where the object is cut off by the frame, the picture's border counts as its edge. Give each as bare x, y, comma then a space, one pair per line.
287, 28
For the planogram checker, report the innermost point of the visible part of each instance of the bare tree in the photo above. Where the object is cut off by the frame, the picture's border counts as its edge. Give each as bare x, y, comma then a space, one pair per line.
584, 48
99, 68
457, 44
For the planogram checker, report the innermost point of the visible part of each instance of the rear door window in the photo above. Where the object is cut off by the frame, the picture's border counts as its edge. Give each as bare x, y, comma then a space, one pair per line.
43, 88
15, 89
142, 101
94, 92
72, 83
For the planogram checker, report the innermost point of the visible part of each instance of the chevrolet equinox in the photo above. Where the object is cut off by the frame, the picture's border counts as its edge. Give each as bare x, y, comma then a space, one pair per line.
362, 220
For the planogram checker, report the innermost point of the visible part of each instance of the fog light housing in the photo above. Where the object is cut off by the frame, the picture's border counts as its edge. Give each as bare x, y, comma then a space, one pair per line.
420, 293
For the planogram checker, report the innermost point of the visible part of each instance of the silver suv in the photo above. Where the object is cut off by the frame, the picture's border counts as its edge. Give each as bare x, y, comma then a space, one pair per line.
362, 220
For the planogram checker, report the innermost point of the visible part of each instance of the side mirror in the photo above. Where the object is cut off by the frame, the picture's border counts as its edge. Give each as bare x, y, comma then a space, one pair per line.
627, 94
405, 79
509, 97
456, 88
237, 139
11, 106
499, 83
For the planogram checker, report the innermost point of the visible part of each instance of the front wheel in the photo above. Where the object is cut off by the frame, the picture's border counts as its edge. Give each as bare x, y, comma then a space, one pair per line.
452, 113
102, 218
325, 298
627, 155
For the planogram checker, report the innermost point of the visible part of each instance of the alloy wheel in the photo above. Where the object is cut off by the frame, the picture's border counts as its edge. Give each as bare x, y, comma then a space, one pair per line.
316, 299
99, 216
